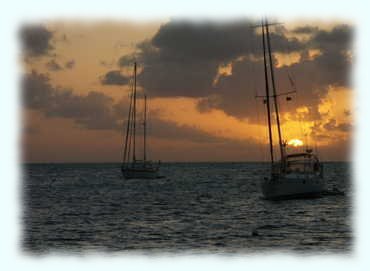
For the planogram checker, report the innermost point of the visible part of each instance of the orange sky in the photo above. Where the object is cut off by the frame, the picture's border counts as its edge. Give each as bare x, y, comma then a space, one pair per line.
188, 133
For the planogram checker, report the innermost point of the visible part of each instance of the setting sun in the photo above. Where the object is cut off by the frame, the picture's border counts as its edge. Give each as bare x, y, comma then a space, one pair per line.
295, 142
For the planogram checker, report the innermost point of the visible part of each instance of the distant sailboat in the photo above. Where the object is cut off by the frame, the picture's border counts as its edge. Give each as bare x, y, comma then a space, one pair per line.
133, 168
295, 175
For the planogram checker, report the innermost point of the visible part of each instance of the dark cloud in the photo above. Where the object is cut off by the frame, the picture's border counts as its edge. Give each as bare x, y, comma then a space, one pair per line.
190, 78
52, 65
182, 59
332, 125
114, 78
208, 103
31, 130
235, 93
170, 130
98, 111
305, 29
339, 149
70, 64
164, 129
181, 40
339, 38
220, 42
345, 127
36, 90
92, 111
324, 130
347, 113
36, 40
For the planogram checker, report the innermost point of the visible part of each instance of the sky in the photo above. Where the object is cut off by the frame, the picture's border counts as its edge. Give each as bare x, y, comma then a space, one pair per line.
201, 78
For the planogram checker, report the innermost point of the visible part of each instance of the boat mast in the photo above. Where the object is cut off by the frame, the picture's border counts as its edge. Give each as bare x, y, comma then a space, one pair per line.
144, 127
267, 94
126, 150
274, 89
134, 115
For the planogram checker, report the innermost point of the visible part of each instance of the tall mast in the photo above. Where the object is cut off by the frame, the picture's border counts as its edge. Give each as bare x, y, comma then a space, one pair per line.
274, 89
144, 127
125, 150
267, 94
134, 115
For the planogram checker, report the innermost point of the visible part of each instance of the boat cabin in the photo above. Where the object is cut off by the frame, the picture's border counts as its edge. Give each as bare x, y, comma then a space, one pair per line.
299, 163
302, 163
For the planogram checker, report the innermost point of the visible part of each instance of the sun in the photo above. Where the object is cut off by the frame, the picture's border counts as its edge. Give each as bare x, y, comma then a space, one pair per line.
295, 142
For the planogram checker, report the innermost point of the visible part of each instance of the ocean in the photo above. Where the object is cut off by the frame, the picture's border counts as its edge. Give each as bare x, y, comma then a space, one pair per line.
195, 208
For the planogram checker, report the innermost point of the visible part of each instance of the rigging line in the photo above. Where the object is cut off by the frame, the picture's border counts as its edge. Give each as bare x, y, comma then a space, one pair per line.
264, 135
127, 129
130, 140
291, 80
131, 124
274, 89
134, 116
145, 127
253, 72
267, 95
299, 116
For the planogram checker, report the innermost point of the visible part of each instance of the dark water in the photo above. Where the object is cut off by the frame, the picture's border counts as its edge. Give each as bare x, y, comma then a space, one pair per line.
196, 208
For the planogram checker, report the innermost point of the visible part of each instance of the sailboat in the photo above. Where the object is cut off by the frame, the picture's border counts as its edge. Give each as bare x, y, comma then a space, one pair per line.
133, 168
295, 175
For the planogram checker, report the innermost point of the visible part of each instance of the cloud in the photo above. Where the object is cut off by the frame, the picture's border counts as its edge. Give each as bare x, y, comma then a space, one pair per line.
114, 78
183, 58
36, 40
347, 113
92, 111
344, 127
305, 29
173, 131
52, 65
340, 37
70, 64
312, 78
210, 40
30, 130
332, 125
98, 111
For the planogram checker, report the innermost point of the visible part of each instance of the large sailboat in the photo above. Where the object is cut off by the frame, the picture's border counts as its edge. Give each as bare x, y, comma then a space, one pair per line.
133, 168
294, 175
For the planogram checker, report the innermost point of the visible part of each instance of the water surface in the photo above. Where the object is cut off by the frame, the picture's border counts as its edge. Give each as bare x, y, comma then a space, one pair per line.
196, 208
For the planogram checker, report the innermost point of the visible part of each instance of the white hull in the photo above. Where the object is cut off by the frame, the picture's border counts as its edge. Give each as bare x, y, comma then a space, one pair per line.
293, 186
